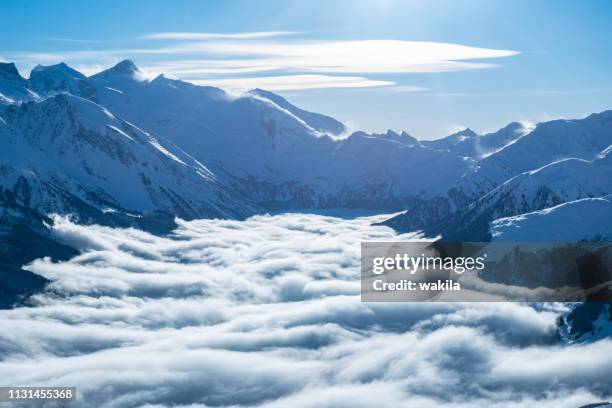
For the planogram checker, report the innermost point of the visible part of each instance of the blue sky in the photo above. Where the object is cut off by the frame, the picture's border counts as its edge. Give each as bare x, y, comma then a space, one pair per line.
427, 67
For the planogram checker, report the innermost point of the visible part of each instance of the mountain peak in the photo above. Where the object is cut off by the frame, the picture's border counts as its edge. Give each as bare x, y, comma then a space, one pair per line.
277, 99
9, 68
258, 91
62, 69
391, 133
402, 137
461, 135
406, 135
514, 125
467, 132
123, 68
603, 116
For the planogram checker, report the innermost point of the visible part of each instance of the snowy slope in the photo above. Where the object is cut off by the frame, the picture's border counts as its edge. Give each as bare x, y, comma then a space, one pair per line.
70, 146
558, 161
588, 219
470, 144
280, 155
13, 87
321, 123
53, 79
586, 322
267, 149
406, 168
547, 143
242, 133
459, 141
556, 183
44, 81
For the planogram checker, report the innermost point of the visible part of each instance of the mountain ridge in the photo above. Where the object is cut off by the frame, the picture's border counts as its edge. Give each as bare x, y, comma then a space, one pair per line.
119, 149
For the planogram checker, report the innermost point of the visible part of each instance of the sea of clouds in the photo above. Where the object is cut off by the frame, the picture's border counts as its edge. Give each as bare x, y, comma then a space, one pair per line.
266, 312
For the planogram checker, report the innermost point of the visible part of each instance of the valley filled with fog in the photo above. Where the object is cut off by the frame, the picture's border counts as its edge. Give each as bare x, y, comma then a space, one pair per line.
300, 204
267, 312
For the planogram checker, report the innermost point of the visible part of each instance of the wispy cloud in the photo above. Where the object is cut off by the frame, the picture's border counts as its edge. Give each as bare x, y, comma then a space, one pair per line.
71, 40
294, 82
216, 36
367, 56
407, 88
230, 58
524, 92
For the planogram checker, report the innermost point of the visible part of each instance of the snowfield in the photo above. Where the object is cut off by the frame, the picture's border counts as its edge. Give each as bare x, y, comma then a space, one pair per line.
588, 219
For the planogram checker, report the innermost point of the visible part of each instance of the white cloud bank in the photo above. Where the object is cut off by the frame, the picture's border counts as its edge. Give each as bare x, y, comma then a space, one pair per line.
266, 312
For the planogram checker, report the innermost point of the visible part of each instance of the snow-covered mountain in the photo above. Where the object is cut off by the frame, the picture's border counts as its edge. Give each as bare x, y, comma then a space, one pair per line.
283, 156
321, 123
470, 144
67, 153
559, 182
121, 149
586, 322
280, 156
53, 79
556, 162
13, 87
588, 219
259, 146
550, 142
237, 133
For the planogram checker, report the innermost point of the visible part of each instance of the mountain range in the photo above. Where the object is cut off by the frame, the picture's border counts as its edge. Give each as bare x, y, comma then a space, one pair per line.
120, 149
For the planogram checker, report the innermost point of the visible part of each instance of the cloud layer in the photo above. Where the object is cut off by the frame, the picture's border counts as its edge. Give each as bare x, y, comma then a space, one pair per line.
265, 59
266, 312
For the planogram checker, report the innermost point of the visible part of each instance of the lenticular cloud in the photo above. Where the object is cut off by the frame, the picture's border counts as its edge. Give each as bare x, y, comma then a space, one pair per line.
266, 312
